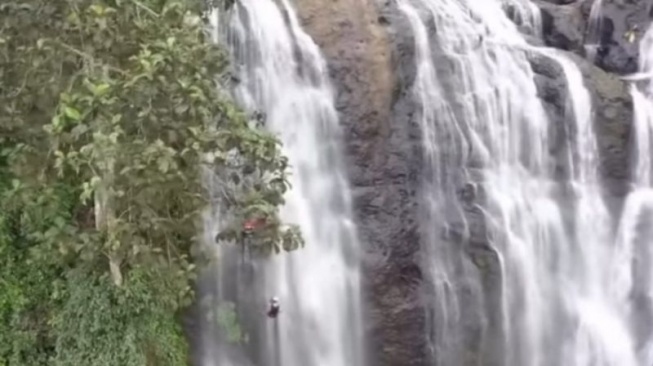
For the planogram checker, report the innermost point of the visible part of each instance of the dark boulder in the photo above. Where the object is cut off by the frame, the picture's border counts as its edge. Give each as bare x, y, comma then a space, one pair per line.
563, 27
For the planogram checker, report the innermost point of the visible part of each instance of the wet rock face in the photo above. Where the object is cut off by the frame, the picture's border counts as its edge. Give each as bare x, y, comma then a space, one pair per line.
383, 152
553, 91
565, 26
616, 52
612, 111
370, 52
613, 116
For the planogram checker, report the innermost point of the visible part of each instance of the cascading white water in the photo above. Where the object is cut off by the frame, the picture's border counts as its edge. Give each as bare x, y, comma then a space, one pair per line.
281, 74
634, 278
485, 127
594, 29
603, 336
643, 121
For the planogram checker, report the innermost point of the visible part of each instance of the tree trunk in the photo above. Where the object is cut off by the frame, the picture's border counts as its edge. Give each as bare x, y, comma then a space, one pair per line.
105, 217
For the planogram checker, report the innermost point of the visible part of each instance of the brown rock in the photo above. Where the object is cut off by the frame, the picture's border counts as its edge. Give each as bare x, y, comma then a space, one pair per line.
383, 157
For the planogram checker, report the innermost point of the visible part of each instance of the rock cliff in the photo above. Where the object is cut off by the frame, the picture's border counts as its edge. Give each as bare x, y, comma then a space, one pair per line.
383, 150
370, 54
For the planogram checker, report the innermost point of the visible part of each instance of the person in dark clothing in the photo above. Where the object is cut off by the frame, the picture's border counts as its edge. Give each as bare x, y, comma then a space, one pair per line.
273, 310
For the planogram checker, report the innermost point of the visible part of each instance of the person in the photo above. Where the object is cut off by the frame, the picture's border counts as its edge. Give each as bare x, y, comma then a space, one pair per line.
273, 310
251, 225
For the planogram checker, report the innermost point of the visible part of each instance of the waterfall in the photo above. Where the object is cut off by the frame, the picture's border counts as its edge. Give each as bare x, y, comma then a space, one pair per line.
602, 336
635, 237
519, 250
594, 30
281, 75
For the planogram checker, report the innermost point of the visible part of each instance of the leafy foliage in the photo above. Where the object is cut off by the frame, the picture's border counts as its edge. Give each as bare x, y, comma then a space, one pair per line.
109, 115
129, 325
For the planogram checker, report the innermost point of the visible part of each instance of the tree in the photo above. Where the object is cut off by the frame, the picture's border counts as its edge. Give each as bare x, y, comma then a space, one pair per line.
111, 114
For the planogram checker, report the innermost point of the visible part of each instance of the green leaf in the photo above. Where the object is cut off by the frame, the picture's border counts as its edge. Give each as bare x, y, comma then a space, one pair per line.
101, 89
72, 113
164, 165
56, 121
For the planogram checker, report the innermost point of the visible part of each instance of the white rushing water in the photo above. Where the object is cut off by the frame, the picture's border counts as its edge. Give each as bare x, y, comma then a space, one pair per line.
594, 29
281, 74
546, 228
635, 238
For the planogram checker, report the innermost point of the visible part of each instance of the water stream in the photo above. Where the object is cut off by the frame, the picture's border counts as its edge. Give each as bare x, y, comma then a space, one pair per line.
552, 301
522, 264
281, 75
635, 236
594, 30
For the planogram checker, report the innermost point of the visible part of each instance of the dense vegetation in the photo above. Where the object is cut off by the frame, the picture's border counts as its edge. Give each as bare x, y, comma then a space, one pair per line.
110, 114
